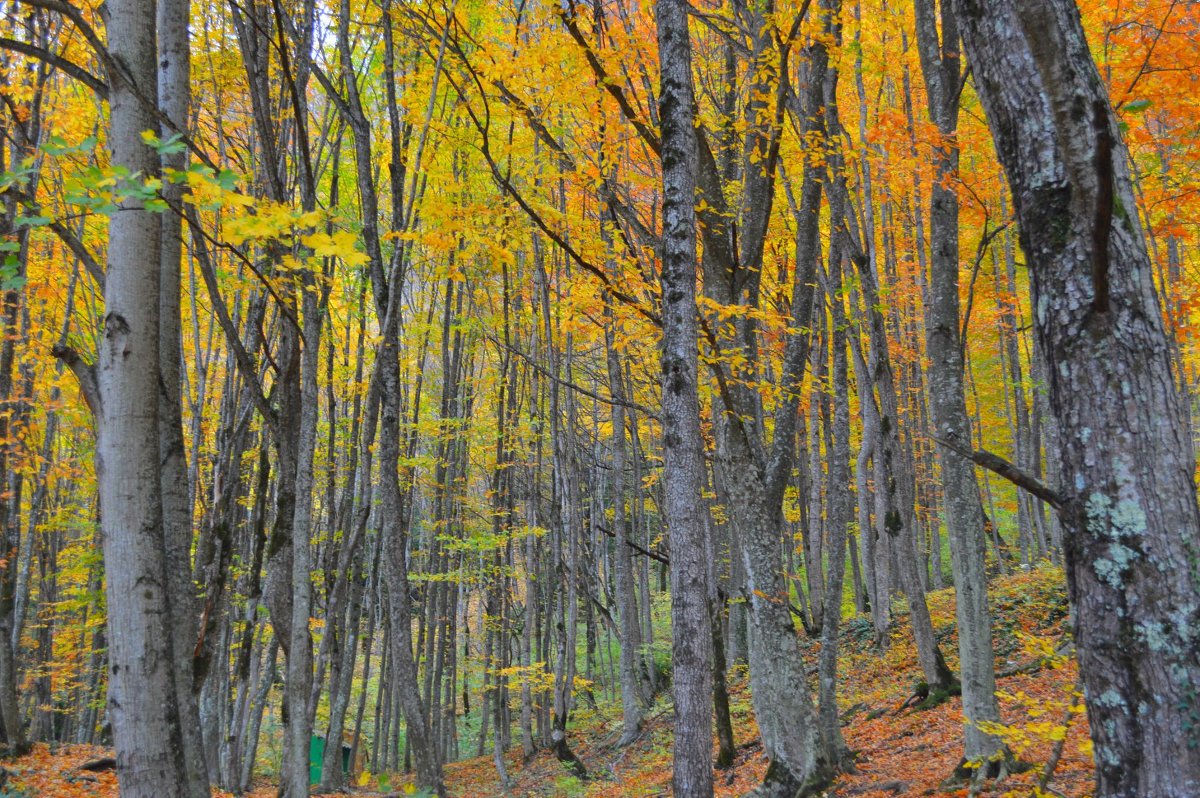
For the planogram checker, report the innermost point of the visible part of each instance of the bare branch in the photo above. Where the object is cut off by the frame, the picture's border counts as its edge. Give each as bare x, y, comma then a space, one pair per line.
58, 62
84, 372
1006, 470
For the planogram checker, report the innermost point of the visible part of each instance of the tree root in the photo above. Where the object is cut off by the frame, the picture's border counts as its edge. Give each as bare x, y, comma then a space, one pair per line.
975, 774
897, 787
779, 782
924, 697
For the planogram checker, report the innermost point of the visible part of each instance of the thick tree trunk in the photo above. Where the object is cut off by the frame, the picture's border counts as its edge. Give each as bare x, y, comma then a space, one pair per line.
753, 478
1129, 511
965, 521
141, 680
11, 605
683, 448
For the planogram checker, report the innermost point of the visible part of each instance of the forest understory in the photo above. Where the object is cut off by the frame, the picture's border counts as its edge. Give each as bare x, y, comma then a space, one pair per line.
901, 749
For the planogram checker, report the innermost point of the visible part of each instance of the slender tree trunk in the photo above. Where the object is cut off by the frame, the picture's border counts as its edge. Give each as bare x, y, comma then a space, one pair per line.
683, 448
894, 500
965, 521
838, 502
174, 100
627, 613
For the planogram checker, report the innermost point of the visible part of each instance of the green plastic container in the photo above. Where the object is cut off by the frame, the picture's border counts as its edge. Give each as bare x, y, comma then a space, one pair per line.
316, 759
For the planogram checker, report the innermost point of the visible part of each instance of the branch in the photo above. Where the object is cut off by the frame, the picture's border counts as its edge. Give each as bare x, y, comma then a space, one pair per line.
1006, 470
68, 238
652, 555
57, 61
75, 15
984, 243
245, 362
506, 185
73, 243
608, 400
84, 372
1158, 32
602, 77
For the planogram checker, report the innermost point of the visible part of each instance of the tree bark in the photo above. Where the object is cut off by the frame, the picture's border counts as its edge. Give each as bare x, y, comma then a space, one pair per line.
838, 503
1129, 516
683, 448
632, 680
141, 681
965, 520
174, 100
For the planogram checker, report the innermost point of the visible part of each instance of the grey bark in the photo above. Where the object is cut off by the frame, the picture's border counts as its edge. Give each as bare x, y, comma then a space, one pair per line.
755, 474
141, 682
1129, 512
839, 510
630, 628
963, 508
683, 448
15, 568
174, 99
894, 490
387, 288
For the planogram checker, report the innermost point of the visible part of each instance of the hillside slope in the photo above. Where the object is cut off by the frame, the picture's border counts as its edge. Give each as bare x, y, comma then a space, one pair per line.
901, 751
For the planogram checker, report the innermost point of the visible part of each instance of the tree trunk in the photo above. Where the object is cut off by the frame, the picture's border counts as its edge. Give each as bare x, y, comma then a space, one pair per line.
683, 448
174, 96
894, 501
838, 502
141, 680
627, 613
1129, 512
965, 521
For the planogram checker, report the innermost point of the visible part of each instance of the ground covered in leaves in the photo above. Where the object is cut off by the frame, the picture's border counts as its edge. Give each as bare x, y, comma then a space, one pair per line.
899, 751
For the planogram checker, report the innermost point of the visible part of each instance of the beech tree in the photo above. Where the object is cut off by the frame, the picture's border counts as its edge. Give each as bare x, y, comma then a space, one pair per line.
457, 352
966, 526
143, 698
683, 449
1127, 500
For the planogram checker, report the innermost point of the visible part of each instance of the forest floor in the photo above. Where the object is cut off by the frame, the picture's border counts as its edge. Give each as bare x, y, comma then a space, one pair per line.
900, 752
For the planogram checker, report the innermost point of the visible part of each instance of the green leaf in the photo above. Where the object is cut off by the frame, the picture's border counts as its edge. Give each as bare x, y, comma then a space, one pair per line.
57, 145
172, 145
1137, 106
227, 179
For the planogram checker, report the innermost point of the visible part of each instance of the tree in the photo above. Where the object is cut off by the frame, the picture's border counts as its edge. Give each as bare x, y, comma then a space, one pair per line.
683, 448
1128, 496
965, 521
141, 678
174, 101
